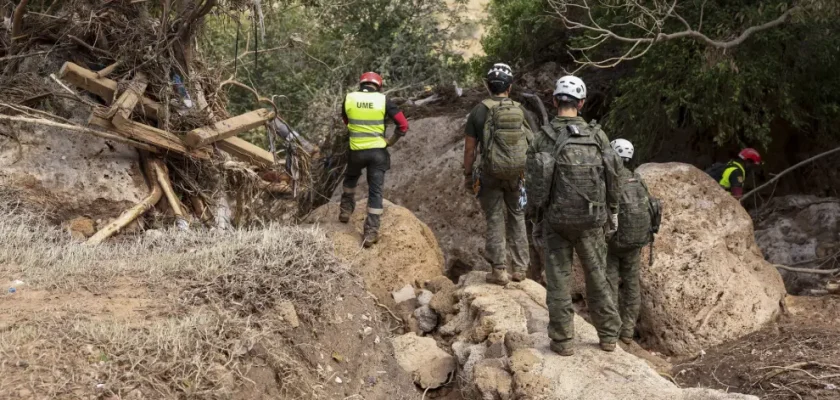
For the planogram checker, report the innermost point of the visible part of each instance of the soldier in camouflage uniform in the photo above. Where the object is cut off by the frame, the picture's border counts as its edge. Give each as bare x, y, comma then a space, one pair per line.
564, 204
625, 246
499, 198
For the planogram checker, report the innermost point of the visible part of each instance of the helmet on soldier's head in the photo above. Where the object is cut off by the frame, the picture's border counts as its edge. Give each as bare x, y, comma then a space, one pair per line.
499, 78
623, 148
570, 86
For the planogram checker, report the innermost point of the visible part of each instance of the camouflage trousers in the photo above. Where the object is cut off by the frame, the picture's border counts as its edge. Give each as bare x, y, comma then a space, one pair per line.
505, 224
592, 251
623, 278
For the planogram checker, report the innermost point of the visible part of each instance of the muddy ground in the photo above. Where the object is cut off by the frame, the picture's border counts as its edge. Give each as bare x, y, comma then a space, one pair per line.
796, 358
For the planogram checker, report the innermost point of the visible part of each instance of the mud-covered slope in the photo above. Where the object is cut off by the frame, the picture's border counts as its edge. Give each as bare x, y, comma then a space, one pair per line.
427, 178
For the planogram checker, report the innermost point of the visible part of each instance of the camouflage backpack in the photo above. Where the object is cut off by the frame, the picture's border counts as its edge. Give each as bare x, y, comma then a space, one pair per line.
505, 140
578, 189
634, 213
539, 172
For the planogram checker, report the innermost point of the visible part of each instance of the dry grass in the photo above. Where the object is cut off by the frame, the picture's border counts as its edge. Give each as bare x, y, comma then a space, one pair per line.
224, 283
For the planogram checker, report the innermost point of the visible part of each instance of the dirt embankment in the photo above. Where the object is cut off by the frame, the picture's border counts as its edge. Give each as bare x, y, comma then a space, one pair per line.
252, 314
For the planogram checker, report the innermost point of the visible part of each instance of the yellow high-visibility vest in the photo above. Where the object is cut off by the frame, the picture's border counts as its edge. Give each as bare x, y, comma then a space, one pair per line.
724, 181
366, 120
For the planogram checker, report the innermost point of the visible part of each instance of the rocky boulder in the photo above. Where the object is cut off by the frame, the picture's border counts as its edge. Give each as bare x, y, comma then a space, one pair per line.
801, 231
407, 252
709, 282
501, 342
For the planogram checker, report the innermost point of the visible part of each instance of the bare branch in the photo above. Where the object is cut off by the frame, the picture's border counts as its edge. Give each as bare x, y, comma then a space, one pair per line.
650, 20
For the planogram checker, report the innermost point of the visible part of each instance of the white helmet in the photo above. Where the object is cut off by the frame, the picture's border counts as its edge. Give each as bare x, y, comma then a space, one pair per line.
572, 86
623, 148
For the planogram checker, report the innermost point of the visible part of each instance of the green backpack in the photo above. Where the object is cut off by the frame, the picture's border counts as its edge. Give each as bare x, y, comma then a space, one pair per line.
579, 190
635, 214
505, 140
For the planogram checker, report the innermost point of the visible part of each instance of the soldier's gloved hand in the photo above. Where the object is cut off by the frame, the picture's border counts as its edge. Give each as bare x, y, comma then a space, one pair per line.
613, 223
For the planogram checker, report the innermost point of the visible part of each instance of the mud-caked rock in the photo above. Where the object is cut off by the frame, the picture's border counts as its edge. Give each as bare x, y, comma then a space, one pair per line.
407, 251
430, 366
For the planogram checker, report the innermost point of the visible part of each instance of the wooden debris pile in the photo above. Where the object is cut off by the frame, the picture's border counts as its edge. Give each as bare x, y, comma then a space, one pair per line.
137, 67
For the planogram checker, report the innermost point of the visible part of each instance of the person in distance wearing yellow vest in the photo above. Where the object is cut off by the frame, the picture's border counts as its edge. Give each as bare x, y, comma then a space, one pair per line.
731, 175
364, 113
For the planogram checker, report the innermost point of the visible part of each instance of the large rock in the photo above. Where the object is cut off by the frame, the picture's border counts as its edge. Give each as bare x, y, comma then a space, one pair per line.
407, 252
709, 282
430, 366
67, 173
490, 312
802, 231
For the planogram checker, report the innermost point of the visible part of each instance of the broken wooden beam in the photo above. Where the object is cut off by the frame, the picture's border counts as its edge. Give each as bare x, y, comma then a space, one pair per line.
125, 104
228, 128
103, 87
146, 134
247, 152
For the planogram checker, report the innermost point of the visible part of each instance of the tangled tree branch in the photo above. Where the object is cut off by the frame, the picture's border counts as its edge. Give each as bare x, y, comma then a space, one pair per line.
649, 23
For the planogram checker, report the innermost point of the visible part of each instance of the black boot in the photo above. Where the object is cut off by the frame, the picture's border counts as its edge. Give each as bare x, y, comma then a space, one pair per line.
348, 204
371, 233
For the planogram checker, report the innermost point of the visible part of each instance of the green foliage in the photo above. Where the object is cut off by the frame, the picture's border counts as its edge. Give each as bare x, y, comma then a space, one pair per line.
316, 50
521, 33
784, 75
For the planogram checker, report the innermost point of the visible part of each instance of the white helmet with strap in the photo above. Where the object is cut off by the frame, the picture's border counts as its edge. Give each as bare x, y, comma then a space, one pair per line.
571, 86
623, 148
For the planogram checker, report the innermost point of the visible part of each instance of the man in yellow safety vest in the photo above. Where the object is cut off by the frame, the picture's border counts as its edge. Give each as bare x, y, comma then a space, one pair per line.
731, 175
364, 112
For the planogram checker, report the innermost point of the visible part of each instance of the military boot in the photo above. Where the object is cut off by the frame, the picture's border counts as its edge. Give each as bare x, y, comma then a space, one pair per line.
518, 275
371, 232
609, 347
348, 204
499, 276
626, 339
563, 349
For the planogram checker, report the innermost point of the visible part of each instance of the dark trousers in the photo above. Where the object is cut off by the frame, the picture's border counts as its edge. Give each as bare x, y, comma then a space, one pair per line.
376, 161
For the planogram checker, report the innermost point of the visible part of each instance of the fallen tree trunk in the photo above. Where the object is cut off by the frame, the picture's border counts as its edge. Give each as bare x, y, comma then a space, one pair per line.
132, 213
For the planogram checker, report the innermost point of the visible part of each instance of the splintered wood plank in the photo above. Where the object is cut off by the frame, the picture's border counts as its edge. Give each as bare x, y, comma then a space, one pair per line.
125, 104
247, 152
228, 128
105, 88
146, 134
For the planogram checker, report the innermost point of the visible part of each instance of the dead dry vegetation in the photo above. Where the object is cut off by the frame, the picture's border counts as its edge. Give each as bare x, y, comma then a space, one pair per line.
214, 297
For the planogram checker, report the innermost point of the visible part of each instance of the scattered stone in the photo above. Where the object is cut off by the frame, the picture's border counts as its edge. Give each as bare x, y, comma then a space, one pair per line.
444, 300
516, 340
367, 331
496, 350
427, 319
338, 380
430, 366
492, 381
404, 294
439, 283
337, 357
425, 297
286, 311
81, 228
377, 340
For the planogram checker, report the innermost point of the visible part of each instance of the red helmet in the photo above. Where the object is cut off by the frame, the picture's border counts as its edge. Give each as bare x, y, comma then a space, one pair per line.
371, 77
750, 154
